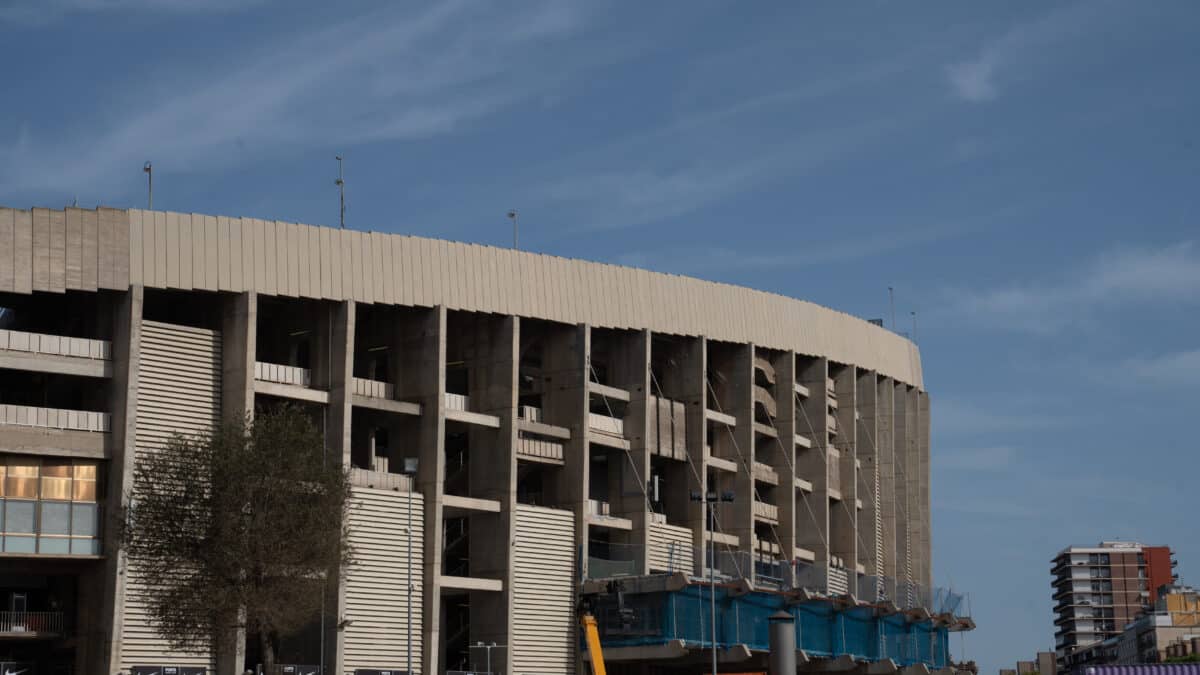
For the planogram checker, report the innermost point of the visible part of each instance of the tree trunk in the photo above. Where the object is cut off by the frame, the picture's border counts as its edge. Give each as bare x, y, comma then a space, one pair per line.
266, 645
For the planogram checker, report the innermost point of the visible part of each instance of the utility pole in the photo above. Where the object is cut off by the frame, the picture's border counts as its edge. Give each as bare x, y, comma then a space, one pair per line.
512, 215
892, 306
708, 500
149, 169
341, 194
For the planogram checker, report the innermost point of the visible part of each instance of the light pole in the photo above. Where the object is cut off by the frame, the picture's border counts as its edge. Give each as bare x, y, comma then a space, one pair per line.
487, 648
706, 500
341, 185
512, 215
149, 169
410, 470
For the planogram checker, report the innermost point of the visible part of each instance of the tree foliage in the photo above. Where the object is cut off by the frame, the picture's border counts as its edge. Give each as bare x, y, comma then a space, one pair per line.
233, 528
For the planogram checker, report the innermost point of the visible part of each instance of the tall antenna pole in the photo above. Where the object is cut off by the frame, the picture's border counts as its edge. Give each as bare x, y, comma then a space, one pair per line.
892, 305
914, 327
512, 215
341, 194
149, 169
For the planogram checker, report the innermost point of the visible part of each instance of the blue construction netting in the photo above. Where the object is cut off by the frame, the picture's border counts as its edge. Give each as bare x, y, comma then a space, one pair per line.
823, 629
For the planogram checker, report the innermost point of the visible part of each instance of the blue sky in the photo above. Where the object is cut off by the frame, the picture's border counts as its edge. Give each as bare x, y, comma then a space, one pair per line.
1024, 174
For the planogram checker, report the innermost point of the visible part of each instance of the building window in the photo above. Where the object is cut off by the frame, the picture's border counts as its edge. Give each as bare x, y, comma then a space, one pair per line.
49, 506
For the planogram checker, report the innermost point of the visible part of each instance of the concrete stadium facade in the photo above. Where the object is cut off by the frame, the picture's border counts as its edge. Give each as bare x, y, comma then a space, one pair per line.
562, 415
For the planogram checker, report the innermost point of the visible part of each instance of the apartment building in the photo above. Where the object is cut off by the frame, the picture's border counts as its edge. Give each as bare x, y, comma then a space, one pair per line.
516, 426
1100, 589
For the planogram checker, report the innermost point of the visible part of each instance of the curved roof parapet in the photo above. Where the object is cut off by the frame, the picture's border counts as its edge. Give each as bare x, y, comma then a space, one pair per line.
81, 249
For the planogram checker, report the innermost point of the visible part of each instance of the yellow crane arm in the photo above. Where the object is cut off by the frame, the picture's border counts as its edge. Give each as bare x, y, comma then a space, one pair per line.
592, 635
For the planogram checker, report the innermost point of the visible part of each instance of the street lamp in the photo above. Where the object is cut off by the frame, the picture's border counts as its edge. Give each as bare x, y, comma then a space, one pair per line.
409, 469
706, 500
488, 648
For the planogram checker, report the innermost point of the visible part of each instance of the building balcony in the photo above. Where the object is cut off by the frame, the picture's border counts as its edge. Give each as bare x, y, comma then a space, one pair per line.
42, 352
32, 624
609, 431
55, 418
546, 451
459, 409
765, 512
292, 382
377, 395
598, 514
765, 473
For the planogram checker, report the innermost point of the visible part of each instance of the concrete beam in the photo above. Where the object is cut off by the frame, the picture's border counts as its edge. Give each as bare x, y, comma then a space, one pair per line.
53, 363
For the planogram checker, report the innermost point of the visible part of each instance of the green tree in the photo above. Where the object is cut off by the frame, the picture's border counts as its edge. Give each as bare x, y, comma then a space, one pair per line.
234, 529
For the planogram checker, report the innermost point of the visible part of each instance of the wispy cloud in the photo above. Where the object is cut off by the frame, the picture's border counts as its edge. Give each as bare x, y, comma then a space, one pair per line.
693, 166
955, 418
1169, 274
976, 459
978, 79
684, 260
39, 12
390, 74
1174, 368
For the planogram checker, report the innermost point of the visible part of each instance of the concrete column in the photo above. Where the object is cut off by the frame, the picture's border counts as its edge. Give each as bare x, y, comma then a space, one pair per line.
686, 382
493, 475
738, 518
630, 370
923, 452
239, 330
904, 417
843, 516
424, 361
239, 338
337, 442
885, 446
867, 439
127, 339
566, 404
784, 457
813, 530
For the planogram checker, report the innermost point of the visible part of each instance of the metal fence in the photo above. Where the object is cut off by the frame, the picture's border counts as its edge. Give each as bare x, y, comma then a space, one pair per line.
608, 560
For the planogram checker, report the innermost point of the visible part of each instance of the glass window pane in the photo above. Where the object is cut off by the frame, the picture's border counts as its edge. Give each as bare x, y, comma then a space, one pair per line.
56, 488
56, 518
20, 544
24, 467
60, 545
85, 470
85, 520
25, 488
85, 490
56, 468
18, 516
85, 546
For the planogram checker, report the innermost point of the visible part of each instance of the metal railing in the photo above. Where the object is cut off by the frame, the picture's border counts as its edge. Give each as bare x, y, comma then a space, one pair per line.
32, 622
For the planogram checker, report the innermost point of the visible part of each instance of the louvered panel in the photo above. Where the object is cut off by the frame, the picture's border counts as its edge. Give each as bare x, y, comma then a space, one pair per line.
172, 243
670, 549
136, 241
58, 251
198, 247
23, 252
376, 583
325, 261
543, 612
8, 250
41, 249
179, 392
74, 249
234, 261
90, 251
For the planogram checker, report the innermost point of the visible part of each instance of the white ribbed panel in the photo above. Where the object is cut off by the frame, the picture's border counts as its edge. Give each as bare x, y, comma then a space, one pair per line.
179, 391
671, 549
377, 580
543, 623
